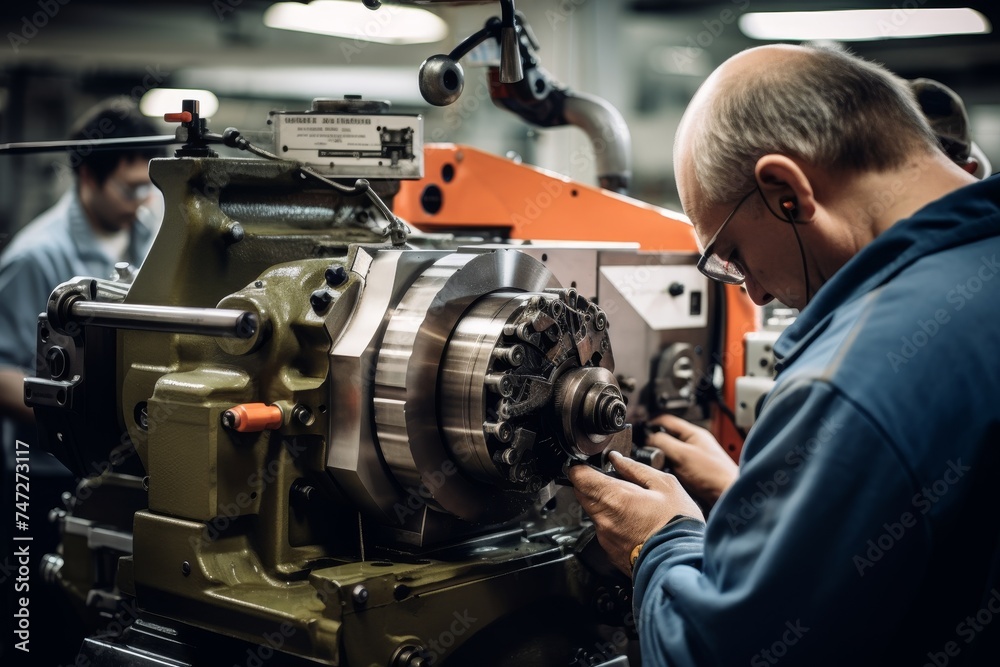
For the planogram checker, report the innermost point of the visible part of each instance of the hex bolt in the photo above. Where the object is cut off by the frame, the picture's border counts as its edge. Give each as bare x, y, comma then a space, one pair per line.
400, 592
57, 361
303, 492
501, 384
234, 234
50, 567
500, 430
411, 656
359, 594
556, 308
627, 383
303, 415
513, 355
320, 300
229, 419
335, 276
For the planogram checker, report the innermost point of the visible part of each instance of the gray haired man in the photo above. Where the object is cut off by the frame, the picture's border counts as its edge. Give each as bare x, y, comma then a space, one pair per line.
854, 533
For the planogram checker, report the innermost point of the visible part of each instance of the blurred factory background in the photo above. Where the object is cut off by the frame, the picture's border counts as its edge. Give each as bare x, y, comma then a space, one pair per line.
647, 57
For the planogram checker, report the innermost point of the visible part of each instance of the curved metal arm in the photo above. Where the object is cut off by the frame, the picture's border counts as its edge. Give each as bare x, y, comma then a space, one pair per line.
609, 135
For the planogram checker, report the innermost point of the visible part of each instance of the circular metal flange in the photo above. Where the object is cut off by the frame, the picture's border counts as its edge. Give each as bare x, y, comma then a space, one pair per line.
486, 378
512, 418
469, 418
406, 375
590, 406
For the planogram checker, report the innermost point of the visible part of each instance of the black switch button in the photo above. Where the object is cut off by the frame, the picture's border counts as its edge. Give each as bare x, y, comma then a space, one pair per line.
696, 303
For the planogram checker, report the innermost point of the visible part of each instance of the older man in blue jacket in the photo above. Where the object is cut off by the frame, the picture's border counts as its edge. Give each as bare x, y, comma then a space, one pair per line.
862, 527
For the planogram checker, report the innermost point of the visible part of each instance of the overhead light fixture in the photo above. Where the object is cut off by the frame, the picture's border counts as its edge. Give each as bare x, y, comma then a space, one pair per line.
396, 84
854, 25
159, 101
391, 24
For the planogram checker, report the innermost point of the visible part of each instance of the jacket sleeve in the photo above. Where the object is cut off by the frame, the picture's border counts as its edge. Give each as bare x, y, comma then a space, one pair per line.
24, 291
812, 553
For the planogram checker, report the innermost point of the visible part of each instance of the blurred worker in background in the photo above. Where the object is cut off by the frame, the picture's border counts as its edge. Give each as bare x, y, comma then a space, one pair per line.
949, 119
854, 531
92, 227
107, 216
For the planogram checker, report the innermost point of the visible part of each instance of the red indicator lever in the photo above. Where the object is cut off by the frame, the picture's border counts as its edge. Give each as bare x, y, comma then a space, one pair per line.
180, 117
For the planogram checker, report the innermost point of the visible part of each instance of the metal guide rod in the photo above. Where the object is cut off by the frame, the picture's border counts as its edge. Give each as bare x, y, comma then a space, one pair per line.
109, 144
168, 319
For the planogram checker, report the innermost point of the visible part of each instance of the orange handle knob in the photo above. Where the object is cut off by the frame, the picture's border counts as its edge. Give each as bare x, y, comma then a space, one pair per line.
252, 417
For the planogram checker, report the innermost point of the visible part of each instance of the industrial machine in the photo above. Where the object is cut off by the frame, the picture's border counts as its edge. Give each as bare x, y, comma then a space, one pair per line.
308, 434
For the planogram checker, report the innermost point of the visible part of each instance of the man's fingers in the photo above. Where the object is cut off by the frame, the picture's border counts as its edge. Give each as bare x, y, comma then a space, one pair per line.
671, 447
586, 480
680, 428
633, 471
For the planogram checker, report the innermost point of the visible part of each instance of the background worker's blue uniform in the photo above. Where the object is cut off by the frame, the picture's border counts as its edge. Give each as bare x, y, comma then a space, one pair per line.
864, 527
55, 247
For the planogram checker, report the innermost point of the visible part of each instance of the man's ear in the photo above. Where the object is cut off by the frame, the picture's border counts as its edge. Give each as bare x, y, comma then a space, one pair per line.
85, 178
781, 179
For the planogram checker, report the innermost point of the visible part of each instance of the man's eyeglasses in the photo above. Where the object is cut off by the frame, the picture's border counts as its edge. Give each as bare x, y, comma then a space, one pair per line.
726, 271
139, 192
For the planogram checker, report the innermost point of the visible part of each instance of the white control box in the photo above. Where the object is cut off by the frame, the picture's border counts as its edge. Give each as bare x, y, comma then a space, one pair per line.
351, 145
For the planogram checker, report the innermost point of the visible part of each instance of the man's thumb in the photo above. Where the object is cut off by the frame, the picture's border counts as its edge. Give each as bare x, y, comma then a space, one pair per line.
633, 471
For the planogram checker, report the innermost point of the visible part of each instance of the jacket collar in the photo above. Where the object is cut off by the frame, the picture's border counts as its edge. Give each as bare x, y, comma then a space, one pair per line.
967, 215
87, 246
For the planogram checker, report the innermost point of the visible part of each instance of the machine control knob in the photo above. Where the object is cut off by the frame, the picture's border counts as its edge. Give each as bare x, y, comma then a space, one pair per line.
336, 276
676, 288
252, 417
441, 80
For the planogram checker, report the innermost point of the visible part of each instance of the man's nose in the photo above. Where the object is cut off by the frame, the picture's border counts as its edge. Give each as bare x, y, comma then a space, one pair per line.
757, 293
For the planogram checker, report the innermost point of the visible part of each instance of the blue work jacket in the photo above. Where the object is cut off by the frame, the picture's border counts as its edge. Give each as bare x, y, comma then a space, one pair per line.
864, 527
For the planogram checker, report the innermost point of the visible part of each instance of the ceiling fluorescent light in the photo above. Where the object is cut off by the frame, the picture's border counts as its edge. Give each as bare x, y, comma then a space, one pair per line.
396, 84
863, 24
390, 24
159, 101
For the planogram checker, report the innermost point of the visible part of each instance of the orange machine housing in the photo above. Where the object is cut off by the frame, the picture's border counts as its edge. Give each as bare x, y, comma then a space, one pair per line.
465, 188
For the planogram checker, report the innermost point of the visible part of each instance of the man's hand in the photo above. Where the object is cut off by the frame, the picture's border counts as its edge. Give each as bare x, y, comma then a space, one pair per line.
700, 463
630, 510
12, 396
